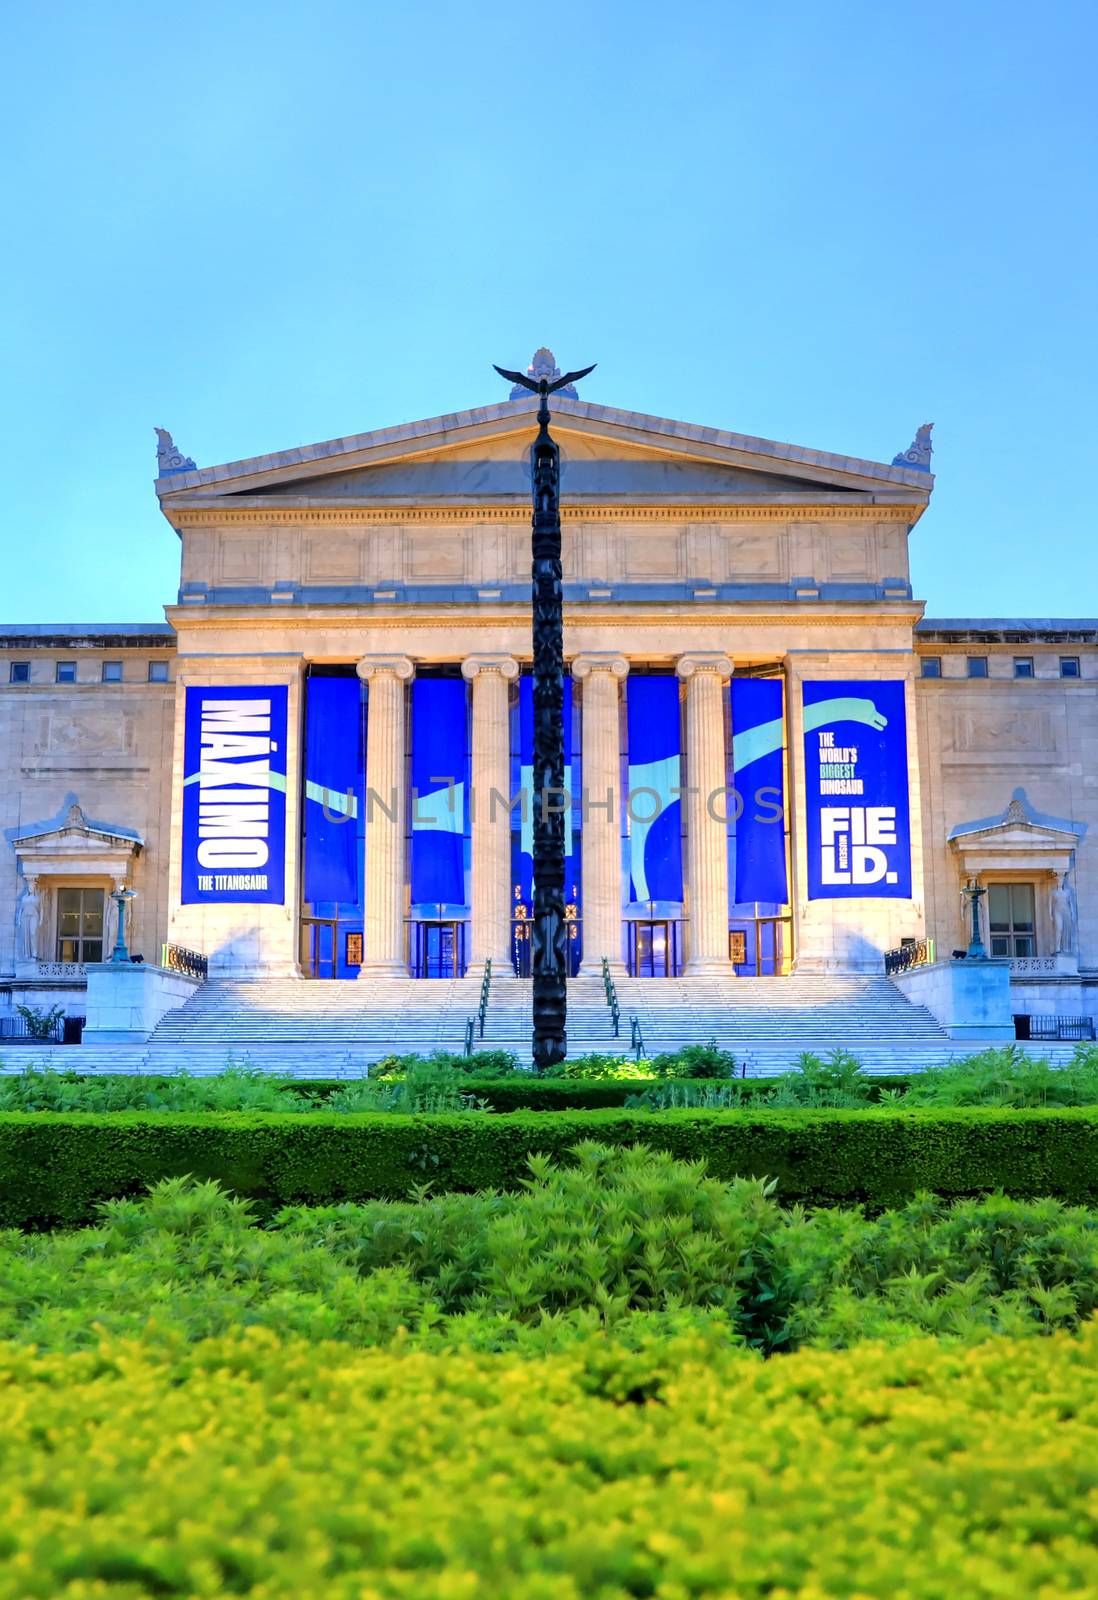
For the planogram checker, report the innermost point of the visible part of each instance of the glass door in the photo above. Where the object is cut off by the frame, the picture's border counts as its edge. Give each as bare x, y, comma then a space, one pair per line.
654, 948
318, 946
437, 949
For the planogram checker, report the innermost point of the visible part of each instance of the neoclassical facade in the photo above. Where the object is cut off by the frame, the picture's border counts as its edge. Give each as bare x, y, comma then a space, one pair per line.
319, 765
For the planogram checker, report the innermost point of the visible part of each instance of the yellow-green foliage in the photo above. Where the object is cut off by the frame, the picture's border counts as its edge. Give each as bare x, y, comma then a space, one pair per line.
249, 1466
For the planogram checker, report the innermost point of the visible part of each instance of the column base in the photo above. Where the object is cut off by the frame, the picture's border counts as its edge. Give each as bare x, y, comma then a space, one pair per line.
384, 969
501, 967
593, 969
708, 967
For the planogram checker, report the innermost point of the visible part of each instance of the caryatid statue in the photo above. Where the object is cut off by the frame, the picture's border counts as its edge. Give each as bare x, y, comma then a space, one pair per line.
28, 922
1061, 903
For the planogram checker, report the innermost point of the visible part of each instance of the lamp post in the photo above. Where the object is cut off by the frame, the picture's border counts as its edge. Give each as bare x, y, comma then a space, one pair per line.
550, 936
121, 898
975, 894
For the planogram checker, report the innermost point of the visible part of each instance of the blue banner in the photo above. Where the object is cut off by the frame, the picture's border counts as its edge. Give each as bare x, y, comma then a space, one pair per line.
333, 781
234, 796
654, 807
758, 727
439, 759
855, 761
526, 784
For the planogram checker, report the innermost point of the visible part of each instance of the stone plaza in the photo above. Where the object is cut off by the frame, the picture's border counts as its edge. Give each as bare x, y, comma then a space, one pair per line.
315, 773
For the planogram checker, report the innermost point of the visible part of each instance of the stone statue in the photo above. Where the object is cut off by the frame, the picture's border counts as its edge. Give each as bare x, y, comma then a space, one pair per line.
1062, 907
918, 451
28, 923
168, 457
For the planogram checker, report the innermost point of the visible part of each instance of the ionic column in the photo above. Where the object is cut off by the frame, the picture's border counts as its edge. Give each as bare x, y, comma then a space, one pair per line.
383, 927
490, 935
706, 801
600, 675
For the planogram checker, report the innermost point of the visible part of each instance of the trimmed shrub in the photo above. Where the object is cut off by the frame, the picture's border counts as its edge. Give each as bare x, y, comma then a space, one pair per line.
54, 1168
627, 1241
253, 1465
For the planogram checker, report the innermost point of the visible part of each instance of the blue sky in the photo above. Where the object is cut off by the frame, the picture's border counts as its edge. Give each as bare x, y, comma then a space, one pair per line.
262, 226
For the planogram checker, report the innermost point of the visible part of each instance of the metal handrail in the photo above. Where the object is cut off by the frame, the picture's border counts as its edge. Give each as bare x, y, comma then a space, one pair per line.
636, 1041
611, 996
485, 990
470, 1031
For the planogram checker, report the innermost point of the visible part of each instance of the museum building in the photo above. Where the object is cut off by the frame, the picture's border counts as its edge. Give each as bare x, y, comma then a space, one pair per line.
320, 765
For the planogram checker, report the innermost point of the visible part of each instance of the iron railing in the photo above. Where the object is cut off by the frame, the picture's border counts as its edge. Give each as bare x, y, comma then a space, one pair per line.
912, 953
636, 1040
191, 963
611, 996
1043, 1027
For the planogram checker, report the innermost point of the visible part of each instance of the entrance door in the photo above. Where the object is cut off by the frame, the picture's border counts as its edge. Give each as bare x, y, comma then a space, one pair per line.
653, 949
437, 949
318, 958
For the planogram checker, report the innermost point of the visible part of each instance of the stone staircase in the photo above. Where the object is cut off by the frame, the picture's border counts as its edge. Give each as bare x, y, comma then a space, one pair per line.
338, 1029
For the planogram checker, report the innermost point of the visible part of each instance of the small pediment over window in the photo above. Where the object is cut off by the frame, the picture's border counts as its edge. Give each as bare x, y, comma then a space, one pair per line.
1018, 838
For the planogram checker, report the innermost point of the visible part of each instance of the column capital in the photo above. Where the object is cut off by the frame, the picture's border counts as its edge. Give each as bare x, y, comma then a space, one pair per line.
397, 666
600, 661
506, 666
704, 661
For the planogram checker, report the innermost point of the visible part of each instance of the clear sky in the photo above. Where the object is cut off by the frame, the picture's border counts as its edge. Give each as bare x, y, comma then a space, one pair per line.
266, 225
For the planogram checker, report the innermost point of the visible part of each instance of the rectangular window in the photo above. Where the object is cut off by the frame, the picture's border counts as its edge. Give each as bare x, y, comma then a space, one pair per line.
19, 672
66, 672
932, 666
112, 672
977, 666
1023, 666
80, 925
1012, 919
158, 672
1069, 667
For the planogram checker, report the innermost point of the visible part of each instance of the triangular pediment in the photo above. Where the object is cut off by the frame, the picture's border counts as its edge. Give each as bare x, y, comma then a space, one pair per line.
608, 456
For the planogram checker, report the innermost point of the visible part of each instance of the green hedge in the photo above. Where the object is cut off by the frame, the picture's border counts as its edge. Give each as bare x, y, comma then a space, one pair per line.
526, 1092
55, 1167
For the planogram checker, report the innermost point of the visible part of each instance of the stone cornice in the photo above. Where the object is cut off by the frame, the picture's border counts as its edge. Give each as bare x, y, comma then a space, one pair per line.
217, 514
221, 618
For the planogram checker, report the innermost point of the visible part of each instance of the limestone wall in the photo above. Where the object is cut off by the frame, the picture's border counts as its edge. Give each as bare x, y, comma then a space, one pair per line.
980, 739
109, 744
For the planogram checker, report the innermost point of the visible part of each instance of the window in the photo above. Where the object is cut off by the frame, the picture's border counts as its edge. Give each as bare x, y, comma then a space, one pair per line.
1069, 667
932, 666
1012, 920
66, 672
80, 925
158, 672
19, 672
977, 666
112, 672
1023, 666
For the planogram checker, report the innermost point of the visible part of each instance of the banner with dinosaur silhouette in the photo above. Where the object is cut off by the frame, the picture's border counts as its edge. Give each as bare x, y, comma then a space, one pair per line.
856, 790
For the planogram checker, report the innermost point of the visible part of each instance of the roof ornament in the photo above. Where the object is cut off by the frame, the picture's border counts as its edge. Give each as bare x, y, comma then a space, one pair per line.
1018, 809
168, 458
74, 816
544, 365
918, 452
